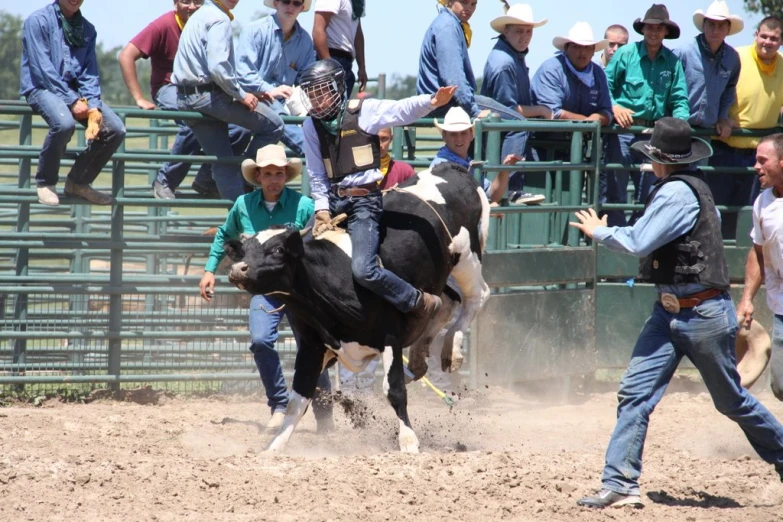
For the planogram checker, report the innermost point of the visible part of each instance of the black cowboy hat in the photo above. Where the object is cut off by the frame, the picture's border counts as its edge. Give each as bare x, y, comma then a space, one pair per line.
671, 143
658, 14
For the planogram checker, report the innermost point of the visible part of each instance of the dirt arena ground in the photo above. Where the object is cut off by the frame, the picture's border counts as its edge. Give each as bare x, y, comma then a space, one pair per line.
498, 455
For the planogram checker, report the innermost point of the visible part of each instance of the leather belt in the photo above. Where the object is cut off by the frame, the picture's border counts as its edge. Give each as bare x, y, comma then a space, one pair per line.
673, 304
359, 190
340, 53
196, 89
638, 122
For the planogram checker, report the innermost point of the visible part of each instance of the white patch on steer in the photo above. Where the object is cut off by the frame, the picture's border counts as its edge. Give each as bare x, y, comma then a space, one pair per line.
426, 187
409, 442
297, 405
340, 238
264, 236
483, 230
355, 356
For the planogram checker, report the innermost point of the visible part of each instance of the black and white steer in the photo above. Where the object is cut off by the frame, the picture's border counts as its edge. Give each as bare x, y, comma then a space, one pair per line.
434, 227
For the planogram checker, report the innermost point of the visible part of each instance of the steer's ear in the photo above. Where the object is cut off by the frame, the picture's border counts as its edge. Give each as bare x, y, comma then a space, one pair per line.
234, 250
293, 244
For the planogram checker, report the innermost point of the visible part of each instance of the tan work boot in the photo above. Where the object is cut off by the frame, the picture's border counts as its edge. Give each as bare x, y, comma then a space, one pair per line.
425, 309
88, 193
47, 196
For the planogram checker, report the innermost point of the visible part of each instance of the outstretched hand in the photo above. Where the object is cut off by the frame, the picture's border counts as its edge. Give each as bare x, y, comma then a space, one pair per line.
589, 221
443, 96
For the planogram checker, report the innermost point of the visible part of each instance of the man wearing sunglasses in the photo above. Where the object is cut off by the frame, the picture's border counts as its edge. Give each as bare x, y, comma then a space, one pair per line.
270, 53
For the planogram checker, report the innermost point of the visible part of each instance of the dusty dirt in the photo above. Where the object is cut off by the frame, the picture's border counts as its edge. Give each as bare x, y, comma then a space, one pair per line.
498, 455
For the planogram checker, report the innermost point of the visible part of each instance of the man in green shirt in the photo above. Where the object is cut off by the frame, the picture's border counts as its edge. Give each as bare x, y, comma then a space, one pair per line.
274, 204
646, 82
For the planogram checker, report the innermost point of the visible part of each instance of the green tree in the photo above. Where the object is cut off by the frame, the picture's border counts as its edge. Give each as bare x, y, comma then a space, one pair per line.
10, 55
113, 89
765, 7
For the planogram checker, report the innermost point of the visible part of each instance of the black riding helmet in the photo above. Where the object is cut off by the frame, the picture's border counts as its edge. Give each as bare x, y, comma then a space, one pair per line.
323, 89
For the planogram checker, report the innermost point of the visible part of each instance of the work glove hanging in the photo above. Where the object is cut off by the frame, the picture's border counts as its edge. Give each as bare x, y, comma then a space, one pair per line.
94, 119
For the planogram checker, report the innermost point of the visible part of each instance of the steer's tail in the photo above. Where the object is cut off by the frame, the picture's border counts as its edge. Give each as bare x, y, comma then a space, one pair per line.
483, 224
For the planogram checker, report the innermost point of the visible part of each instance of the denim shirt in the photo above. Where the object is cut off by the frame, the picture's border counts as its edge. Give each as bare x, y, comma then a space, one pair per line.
557, 87
711, 79
444, 61
206, 52
672, 213
374, 116
266, 60
506, 76
50, 64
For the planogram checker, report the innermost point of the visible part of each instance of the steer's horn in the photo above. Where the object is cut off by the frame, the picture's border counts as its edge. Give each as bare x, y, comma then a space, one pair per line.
754, 348
305, 231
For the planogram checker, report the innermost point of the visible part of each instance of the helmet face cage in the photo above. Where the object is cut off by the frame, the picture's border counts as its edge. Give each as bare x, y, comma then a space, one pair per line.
323, 91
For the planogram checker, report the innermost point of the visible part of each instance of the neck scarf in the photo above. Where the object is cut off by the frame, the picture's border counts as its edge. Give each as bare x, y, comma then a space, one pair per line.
586, 77
358, 9
332, 125
705, 47
180, 22
73, 29
385, 164
465, 26
766, 68
449, 155
224, 9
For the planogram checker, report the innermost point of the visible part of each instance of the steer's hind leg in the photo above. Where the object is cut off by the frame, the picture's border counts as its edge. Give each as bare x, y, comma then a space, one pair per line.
394, 389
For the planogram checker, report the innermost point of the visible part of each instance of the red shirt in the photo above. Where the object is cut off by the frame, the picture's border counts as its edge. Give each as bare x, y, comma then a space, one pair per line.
158, 42
398, 172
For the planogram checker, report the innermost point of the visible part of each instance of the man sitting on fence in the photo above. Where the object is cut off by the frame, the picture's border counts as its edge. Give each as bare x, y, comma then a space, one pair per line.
60, 81
273, 204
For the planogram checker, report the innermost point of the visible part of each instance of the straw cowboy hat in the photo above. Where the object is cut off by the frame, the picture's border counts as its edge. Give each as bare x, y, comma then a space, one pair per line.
718, 10
671, 143
658, 14
271, 3
271, 155
580, 34
754, 348
517, 14
456, 120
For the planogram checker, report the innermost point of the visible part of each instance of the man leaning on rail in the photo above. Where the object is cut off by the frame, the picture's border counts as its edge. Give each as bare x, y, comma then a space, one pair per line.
60, 82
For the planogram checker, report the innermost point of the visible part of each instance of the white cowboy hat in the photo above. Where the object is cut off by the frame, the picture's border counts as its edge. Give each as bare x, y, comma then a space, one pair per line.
271, 155
456, 120
517, 14
271, 3
754, 349
718, 10
580, 34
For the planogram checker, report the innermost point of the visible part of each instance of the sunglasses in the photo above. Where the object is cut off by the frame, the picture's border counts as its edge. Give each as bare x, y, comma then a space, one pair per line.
297, 3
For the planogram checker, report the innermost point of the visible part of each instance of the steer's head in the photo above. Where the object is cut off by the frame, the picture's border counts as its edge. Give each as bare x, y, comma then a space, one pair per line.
265, 262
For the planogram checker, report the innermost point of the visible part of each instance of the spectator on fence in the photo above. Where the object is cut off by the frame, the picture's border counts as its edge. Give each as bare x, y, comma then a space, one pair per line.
270, 53
646, 82
337, 34
273, 204
617, 35
206, 80
678, 238
758, 104
712, 68
158, 42
60, 81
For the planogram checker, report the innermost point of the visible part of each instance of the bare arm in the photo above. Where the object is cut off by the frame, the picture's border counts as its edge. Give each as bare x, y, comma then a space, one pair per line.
128, 56
754, 275
319, 35
499, 185
358, 48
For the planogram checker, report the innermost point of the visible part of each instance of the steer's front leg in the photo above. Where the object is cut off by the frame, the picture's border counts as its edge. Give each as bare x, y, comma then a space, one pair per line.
394, 389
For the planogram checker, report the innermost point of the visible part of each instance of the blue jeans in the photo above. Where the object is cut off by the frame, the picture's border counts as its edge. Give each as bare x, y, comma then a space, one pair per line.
776, 363
62, 125
172, 174
212, 133
706, 335
614, 187
364, 214
263, 337
293, 135
731, 189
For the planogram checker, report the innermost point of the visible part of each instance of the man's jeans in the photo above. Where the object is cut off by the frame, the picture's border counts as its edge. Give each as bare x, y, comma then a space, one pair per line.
172, 174
212, 134
613, 188
293, 135
364, 215
62, 125
776, 363
263, 337
731, 189
706, 335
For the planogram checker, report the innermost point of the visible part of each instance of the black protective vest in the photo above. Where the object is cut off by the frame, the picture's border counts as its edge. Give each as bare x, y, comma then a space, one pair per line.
695, 257
352, 150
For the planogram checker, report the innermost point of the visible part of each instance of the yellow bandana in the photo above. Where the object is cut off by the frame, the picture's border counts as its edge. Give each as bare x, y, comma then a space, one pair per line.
465, 26
180, 23
385, 162
766, 68
224, 9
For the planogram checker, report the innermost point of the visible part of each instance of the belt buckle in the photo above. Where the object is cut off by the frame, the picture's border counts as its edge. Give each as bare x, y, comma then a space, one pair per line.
670, 303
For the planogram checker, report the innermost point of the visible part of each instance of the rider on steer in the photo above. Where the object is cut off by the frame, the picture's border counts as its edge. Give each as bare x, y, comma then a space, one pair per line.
343, 156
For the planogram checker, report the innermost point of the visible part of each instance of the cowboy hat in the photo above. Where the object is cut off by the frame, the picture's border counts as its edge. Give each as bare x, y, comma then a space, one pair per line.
271, 4
580, 34
517, 14
271, 155
671, 143
754, 348
718, 10
658, 14
456, 120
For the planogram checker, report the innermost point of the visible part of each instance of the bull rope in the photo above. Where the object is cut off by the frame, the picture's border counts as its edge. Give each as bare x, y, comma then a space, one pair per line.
446, 228
278, 309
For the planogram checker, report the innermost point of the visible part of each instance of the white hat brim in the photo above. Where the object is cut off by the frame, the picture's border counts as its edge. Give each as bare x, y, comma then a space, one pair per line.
500, 23
737, 25
560, 42
293, 168
453, 127
271, 4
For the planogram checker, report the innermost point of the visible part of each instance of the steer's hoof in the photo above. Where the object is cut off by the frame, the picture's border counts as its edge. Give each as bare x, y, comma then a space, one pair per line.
451, 360
409, 443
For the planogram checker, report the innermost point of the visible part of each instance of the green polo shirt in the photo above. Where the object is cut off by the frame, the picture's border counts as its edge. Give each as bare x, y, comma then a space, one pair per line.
249, 215
651, 88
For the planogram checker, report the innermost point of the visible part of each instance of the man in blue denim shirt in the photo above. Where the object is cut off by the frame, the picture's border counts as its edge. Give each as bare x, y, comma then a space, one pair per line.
270, 53
678, 237
60, 81
206, 80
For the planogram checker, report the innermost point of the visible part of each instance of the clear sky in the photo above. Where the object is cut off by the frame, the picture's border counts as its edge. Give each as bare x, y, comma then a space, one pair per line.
394, 29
